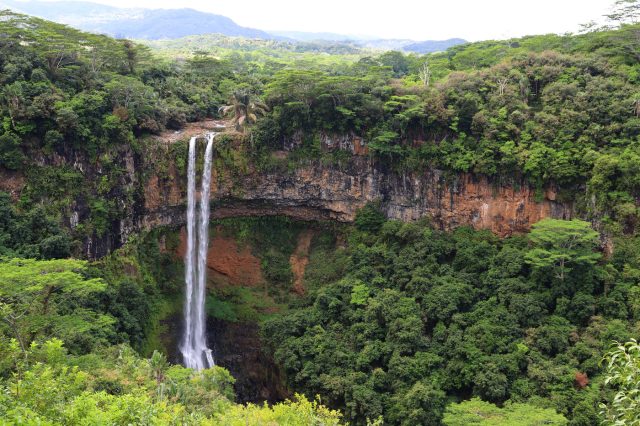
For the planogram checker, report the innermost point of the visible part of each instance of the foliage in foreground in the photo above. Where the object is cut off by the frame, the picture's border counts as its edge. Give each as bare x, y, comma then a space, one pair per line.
46, 298
87, 305
115, 386
623, 374
94, 306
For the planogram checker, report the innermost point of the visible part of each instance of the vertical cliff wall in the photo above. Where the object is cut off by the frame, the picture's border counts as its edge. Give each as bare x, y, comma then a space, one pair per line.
149, 190
321, 192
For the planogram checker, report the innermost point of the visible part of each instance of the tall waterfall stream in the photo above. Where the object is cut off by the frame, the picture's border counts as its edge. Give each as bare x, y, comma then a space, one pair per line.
195, 352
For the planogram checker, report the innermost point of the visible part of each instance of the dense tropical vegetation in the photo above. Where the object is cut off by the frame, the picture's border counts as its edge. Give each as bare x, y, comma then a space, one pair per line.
416, 316
398, 323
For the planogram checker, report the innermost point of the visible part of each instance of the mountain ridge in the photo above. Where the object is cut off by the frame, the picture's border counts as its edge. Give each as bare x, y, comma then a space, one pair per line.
162, 24
135, 23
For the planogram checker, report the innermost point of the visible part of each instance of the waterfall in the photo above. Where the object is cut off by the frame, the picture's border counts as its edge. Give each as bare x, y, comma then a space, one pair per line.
195, 352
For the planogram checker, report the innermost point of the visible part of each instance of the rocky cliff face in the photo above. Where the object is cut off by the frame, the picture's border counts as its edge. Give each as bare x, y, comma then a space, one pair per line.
321, 192
152, 195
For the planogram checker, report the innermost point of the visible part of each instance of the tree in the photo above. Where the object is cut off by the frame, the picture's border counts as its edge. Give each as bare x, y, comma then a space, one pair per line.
134, 54
130, 93
625, 11
34, 295
478, 412
423, 404
13, 97
623, 374
244, 110
11, 156
369, 218
110, 387
397, 61
158, 365
425, 74
557, 244
502, 85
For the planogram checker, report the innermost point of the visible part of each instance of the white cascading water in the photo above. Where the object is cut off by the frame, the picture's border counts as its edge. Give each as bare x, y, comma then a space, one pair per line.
195, 352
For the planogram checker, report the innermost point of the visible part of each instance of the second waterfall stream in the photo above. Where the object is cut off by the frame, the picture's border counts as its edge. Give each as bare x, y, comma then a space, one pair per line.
194, 349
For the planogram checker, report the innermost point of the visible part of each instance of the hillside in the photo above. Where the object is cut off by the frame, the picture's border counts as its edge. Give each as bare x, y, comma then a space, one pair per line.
427, 46
430, 46
149, 24
220, 45
172, 24
450, 238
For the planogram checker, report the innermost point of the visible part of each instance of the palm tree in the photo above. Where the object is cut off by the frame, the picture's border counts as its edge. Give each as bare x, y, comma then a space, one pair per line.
244, 110
158, 366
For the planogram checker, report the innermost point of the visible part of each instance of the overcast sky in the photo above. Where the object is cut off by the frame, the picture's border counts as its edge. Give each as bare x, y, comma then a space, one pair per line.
416, 19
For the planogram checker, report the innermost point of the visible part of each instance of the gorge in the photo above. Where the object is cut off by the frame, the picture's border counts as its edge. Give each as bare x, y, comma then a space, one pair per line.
201, 234
332, 193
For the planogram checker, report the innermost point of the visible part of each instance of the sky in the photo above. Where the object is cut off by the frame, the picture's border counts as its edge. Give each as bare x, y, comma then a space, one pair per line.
414, 19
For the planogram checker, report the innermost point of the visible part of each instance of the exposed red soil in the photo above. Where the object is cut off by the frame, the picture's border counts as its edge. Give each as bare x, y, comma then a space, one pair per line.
300, 259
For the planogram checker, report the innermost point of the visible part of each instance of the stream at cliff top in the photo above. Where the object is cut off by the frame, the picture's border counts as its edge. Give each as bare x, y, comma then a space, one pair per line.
195, 352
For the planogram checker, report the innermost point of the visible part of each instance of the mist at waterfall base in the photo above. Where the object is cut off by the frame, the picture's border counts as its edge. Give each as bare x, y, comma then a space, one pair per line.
195, 353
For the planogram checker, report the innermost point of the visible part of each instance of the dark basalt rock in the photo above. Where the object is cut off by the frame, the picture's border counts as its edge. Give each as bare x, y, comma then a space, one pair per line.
237, 346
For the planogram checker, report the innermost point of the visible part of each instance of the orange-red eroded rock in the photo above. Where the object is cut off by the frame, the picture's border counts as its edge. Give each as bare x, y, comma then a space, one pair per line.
227, 263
